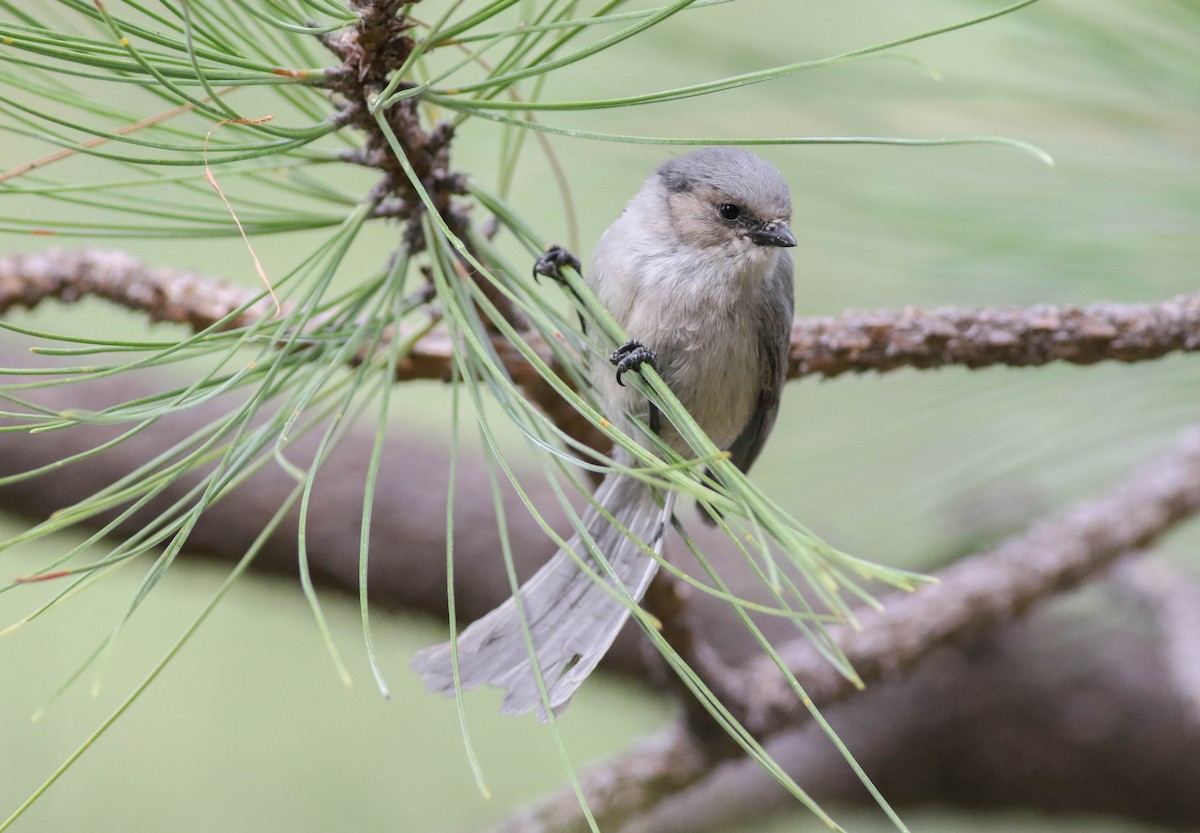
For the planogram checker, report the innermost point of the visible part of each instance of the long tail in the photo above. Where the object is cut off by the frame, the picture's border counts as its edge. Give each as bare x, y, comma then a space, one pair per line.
572, 619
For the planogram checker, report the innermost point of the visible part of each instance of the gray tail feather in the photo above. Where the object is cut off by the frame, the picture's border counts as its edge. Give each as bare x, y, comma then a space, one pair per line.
572, 620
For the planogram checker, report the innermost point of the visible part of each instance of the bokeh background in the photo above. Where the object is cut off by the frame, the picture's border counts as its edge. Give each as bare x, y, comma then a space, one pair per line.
250, 727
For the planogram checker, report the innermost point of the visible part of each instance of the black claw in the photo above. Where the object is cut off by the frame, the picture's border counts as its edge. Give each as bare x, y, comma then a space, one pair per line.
632, 356
552, 262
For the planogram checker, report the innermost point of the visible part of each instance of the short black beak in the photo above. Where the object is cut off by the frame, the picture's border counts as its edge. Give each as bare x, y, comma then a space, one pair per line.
774, 234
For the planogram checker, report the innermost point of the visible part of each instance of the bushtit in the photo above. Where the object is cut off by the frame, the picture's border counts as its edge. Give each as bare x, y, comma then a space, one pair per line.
694, 268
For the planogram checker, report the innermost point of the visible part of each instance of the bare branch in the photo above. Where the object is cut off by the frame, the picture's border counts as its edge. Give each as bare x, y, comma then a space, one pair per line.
182, 297
653, 769
856, 342
972, 596
164, 294
1071, 710
975, 593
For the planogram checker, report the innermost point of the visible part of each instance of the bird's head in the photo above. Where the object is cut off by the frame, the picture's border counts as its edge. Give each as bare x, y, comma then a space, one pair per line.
729, 201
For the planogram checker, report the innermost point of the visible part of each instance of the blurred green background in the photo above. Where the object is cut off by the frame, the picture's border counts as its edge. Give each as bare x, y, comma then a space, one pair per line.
250, 729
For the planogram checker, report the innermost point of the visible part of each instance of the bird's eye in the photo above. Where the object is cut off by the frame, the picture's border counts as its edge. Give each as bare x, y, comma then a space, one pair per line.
729, 211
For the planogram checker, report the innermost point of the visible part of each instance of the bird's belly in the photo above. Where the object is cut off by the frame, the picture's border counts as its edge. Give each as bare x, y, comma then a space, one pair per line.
710, 361
717, 380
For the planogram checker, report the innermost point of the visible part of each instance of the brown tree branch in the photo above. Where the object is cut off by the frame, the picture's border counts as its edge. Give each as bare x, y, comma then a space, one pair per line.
975, 593
182, 297
855, 342
972, 596
163, 294
1069, 710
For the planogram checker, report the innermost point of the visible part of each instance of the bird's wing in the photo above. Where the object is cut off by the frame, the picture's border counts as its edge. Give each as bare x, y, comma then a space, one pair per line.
776, 309
776, 306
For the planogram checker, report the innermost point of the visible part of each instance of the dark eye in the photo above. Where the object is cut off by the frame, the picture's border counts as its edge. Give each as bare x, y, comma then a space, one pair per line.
729, 211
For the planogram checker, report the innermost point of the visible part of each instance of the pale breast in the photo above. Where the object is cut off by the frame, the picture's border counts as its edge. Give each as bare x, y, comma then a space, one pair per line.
696, 313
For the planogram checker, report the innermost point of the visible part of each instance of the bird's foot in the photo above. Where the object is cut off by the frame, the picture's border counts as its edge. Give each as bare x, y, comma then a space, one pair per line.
632, 356
550, 264
552, 261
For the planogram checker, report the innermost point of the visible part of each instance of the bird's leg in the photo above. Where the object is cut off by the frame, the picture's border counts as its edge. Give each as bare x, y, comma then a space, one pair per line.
631, 356
550, 263
655, 420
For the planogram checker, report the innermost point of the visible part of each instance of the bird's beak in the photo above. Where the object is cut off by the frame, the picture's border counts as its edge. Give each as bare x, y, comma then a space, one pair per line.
774, 233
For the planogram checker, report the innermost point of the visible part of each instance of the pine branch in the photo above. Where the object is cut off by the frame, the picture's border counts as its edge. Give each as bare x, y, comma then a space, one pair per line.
1074, 709
975, 593
855, 342
972, 596
164, 294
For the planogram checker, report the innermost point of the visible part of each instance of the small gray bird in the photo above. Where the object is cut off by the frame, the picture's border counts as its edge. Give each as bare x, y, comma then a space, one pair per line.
694, 268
